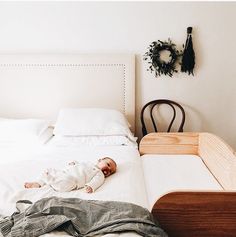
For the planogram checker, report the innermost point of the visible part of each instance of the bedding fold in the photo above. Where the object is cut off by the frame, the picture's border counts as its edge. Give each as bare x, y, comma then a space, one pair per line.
79, 217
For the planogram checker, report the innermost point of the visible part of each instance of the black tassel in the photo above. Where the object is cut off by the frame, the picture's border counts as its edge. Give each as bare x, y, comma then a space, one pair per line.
188, 59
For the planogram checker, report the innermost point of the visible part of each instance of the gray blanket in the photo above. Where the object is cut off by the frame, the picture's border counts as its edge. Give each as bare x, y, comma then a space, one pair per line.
79, 218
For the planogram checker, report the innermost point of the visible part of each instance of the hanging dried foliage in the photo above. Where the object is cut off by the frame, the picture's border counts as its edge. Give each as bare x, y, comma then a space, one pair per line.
168, 67
188, 59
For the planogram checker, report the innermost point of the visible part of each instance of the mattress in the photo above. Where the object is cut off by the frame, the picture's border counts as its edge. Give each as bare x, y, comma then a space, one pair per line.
20, 165
166, 173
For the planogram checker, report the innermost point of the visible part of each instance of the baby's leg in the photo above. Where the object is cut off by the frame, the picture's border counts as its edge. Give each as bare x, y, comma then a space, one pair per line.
32, 185
44, 178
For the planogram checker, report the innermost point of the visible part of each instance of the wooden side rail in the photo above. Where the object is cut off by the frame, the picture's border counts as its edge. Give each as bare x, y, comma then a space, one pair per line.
197, 214
220, 159
217, 155
169, 143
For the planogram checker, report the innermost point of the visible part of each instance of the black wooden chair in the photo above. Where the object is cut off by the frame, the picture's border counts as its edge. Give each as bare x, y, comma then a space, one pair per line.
155, 103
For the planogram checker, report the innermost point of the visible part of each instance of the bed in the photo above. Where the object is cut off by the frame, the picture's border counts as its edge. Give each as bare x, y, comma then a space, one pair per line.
129, 174
64, 85
51, 82
190, 180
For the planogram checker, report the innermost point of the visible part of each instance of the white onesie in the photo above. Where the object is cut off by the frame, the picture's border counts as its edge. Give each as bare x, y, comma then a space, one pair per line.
73, 177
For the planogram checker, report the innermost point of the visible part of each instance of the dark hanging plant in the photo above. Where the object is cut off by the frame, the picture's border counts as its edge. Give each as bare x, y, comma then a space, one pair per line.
158, 66
188, 59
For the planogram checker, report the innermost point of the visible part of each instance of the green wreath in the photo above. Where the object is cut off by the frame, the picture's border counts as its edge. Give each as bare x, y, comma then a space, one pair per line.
157, 64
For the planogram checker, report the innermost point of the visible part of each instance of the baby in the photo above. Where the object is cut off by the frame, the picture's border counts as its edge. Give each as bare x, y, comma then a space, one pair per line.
76, 176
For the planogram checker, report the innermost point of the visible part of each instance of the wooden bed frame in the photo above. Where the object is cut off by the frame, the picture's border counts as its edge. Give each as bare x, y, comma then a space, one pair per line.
197, 213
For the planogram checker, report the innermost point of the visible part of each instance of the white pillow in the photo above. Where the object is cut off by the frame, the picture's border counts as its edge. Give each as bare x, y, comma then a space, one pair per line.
22, 130
91, 122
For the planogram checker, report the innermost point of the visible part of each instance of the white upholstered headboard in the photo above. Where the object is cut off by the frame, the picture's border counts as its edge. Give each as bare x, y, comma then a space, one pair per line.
39, 85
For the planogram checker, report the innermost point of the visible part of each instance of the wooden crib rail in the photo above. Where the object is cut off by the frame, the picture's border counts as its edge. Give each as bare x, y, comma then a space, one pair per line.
219, 158
197, 214
216, 154
169, 143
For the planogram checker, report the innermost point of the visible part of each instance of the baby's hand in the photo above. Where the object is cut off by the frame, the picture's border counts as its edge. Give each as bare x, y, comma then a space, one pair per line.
88, 189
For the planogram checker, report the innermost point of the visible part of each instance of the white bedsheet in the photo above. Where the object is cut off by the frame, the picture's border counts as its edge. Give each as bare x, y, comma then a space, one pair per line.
167, 173
18, 166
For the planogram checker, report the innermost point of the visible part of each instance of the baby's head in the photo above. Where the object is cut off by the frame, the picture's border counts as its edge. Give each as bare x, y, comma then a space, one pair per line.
107, 166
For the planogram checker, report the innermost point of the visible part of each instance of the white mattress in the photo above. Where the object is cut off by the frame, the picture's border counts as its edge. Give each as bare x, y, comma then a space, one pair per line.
18, 166
166, 173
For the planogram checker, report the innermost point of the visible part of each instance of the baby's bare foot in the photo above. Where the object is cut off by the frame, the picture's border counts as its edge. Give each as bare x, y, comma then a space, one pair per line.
32, 185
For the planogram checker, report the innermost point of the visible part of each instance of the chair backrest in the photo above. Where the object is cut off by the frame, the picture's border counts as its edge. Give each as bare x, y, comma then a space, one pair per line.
155, 103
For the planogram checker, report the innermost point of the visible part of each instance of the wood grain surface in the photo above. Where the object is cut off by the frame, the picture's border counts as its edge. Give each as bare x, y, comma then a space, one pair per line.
169, 143
197, 214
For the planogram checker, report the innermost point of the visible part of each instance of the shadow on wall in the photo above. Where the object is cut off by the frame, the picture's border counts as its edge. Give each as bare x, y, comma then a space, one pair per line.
195, 121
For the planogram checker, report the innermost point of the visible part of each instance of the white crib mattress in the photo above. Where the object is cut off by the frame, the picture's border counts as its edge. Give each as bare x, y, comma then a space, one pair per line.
165, 173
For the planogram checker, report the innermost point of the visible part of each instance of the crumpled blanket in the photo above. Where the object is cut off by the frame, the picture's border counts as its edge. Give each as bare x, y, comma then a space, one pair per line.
79, 217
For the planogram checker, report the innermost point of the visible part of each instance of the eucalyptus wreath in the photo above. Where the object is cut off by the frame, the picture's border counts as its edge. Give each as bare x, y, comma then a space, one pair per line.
158, 66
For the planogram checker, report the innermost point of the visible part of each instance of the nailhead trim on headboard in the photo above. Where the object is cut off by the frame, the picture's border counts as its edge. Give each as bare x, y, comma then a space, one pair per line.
74, 65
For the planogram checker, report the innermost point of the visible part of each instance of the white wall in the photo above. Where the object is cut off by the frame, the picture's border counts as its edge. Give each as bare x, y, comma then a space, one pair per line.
72, 27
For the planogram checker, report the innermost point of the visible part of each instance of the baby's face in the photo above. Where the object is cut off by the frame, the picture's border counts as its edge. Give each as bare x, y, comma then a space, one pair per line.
107, 166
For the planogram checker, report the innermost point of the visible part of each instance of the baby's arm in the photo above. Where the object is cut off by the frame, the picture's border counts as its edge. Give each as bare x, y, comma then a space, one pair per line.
95, 182
88, 189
